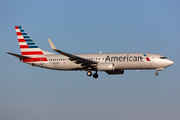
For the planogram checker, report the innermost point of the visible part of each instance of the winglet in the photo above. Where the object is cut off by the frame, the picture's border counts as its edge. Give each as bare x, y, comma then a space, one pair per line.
52, 45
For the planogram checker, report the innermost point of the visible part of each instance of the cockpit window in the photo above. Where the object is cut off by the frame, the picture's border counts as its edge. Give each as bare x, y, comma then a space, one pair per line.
163, 57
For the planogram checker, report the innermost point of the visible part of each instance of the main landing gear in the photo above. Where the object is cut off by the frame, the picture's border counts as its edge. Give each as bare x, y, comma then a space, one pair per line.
95, 75
89, 73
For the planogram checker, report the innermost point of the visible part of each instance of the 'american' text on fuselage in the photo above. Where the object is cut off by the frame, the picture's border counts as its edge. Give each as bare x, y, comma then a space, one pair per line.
124, 58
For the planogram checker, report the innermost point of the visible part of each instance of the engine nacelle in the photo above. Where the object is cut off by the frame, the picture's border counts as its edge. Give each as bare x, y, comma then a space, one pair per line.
105, 67
115, 72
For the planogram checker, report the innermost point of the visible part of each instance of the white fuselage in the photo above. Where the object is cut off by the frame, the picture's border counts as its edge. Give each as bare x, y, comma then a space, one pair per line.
111, 63
126, 61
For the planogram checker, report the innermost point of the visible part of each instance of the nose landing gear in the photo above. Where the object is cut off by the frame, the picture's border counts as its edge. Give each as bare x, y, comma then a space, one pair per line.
158, 69
156, 73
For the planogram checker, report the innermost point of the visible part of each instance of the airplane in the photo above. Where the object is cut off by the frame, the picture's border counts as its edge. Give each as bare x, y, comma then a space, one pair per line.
111, 63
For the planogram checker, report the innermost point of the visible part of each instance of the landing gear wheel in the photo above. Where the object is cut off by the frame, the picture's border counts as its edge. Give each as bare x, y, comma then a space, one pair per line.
89, 73
156, 73
95, 75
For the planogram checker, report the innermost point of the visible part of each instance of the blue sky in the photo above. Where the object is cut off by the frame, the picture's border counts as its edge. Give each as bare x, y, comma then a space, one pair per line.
81, 26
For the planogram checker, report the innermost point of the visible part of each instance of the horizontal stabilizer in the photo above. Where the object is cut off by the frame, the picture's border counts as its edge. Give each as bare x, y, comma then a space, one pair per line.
17, 55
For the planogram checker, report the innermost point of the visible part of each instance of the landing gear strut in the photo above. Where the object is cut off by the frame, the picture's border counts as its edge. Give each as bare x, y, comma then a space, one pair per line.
158, 69
95, 75
156, 73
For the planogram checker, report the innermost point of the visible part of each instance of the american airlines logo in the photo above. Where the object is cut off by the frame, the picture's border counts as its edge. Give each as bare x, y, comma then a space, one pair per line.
124, 58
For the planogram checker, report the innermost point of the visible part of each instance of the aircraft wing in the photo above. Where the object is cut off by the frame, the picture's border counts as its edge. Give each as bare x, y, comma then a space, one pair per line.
77, 59
17, 55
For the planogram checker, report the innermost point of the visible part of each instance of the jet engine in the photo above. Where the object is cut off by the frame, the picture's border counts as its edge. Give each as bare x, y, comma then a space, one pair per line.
105, 67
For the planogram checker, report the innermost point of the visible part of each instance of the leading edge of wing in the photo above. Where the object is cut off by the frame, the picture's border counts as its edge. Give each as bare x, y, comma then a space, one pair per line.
71, 56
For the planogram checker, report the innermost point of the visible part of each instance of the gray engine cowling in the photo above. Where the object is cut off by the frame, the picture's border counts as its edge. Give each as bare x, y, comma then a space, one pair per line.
105, 67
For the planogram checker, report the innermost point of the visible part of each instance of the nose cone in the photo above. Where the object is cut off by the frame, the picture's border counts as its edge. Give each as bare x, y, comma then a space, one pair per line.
169, 62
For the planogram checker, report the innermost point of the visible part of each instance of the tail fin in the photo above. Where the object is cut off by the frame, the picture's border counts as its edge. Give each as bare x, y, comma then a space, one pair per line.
26, 43
28, 47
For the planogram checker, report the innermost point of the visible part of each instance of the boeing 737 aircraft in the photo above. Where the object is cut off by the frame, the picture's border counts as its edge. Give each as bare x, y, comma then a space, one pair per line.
111, 63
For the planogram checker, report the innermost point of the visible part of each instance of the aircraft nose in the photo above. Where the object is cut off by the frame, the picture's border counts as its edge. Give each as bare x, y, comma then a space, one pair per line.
170, 62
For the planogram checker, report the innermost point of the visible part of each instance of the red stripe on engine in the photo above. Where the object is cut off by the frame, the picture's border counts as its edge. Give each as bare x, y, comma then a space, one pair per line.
21, 40
148, 59
16, 27
32, 53
23, 46
18, 33
34, 59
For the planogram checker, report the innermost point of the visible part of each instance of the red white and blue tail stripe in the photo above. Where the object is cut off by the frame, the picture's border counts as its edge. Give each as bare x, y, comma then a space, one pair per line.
28, 47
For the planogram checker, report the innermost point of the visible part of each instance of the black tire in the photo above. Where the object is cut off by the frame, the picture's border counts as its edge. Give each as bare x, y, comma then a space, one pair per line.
95, 75
156, 73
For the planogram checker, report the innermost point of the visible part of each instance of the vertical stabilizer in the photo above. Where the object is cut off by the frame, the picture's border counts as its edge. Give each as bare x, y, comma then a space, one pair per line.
28, 47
